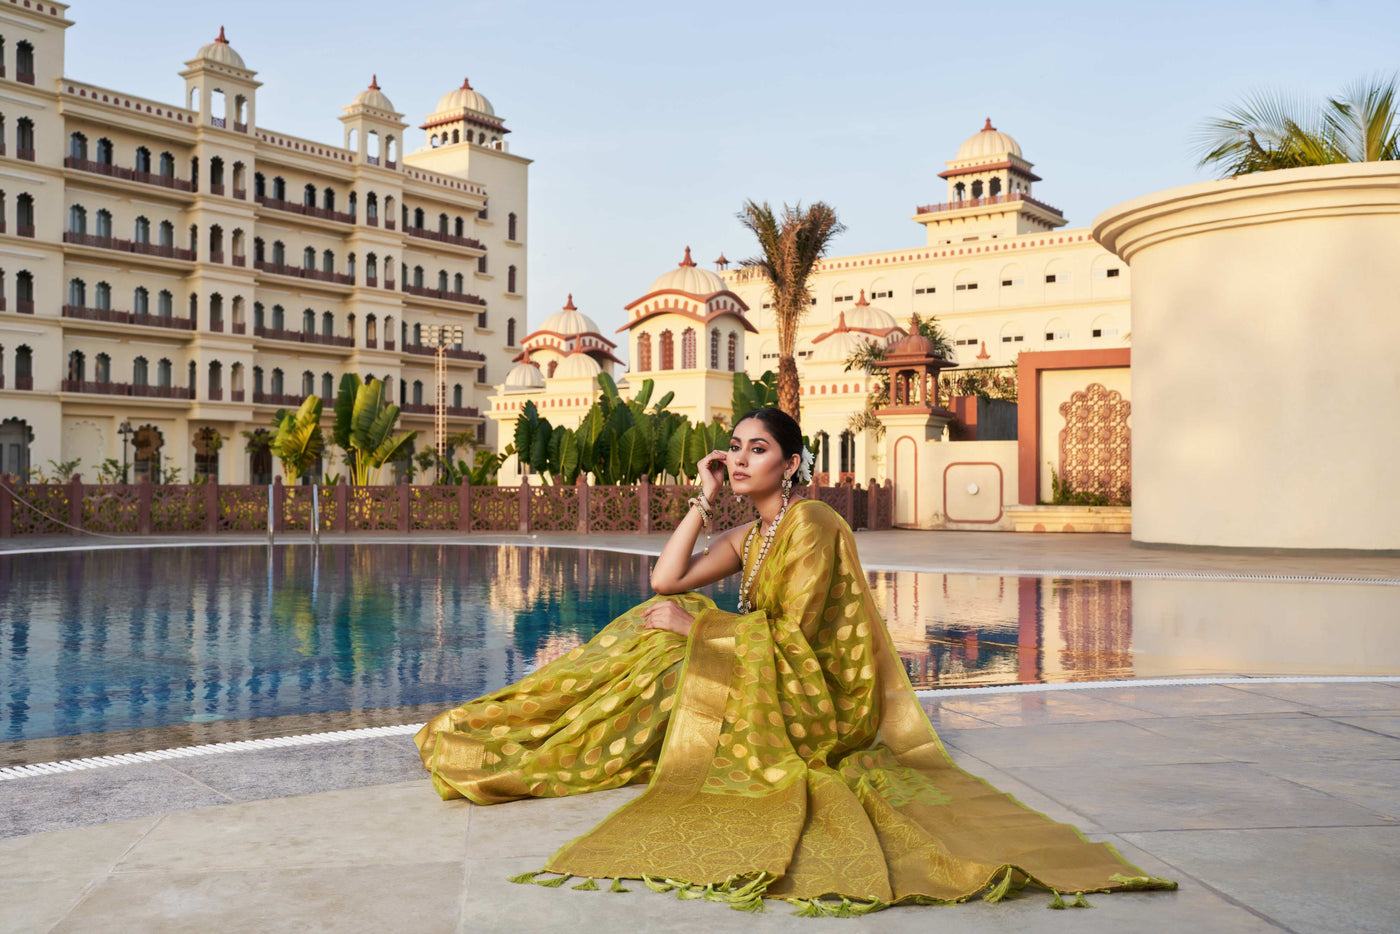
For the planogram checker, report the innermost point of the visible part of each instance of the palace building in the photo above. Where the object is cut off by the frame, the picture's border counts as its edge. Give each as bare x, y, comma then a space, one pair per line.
183, 272
995, 269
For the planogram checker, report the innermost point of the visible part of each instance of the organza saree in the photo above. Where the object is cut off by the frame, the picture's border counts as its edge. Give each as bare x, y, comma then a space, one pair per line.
786, 753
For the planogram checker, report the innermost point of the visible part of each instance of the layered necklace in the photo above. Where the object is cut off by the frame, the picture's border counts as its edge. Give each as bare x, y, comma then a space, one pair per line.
746, 592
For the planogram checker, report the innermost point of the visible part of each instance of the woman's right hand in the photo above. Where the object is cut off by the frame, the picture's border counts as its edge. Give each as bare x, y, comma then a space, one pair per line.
711, 471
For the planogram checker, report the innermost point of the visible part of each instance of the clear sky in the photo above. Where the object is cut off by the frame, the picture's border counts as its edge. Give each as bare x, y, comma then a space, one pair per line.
650, 123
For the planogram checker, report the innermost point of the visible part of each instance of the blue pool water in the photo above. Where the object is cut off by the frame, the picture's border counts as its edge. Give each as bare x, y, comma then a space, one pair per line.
101, 640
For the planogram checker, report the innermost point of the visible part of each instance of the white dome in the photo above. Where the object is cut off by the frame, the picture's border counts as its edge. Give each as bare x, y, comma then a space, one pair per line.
838, 346
524, 376
989, 141
373, 97
466, 97
577, 365
690, 278
221, 52
570, 322
867, 317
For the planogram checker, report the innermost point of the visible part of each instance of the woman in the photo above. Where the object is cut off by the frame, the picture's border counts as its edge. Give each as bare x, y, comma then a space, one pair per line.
786, 752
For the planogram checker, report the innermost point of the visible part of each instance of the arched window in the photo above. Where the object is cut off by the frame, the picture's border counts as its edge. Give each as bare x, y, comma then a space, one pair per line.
510, 279
328, 199
417, 392
510, 227
308, 258
279, 318
553, 365
77, 146
994, 187
279, 253
165, 373
105, 151
714, 350
458, 283
167, 165
143, 160
77, 366
141, 301
442, 280
308, 196
643, 352
959, 191
24, 367
216, 175
308, 322
308, 383
668, 351
688, 349
350, 265
977, 188
442, 224
77, 293
327, 261
167, 234
102, 296
165, 304
277, 381
77, 219
279, 188
216, 312
417, 335
258, 320
371, 330
24, 139
457, 396
24, 62
372, 208
733, 351
354, 205
327, 386
418, 218
848, 452
140, 375
418, 277
259, 185
24, 292
103, 228
327, 324
103, 369
143, 230
510, 332
257, 382
194, 238
457, 227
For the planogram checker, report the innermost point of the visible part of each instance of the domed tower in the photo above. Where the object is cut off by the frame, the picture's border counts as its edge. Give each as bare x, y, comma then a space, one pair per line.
373, 128
568, 331
687, 332
989, 193
463, 116
220, 86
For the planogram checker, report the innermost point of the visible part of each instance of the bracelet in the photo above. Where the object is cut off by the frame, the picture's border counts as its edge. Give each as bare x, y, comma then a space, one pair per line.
700, 503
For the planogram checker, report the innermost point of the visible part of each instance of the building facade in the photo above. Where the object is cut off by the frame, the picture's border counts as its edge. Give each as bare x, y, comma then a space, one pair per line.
184, 272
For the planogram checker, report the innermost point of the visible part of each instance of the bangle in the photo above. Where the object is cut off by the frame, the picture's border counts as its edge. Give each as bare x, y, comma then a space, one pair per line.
699, 502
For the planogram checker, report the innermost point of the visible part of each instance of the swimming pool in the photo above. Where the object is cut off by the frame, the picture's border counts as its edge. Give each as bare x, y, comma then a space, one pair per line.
93, 641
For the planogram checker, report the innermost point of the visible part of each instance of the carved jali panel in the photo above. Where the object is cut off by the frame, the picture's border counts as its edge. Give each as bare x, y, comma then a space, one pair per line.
1095, 443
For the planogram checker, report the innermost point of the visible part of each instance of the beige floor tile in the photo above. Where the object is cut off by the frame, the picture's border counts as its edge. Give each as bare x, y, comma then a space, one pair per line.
1033, 709
419, 897
80, 851
399, 823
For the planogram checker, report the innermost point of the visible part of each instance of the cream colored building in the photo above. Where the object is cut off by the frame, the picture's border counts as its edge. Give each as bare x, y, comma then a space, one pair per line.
995, 269
183, 268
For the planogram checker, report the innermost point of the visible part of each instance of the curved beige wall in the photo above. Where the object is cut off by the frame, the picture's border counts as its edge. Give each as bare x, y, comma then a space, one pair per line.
1266, 358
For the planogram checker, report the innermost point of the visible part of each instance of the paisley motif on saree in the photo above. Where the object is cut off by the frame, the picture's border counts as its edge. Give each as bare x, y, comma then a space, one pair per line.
786, 752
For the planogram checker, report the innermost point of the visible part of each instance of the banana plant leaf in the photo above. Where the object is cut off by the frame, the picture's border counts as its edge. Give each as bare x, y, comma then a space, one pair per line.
539, 446
568, 456
350, 384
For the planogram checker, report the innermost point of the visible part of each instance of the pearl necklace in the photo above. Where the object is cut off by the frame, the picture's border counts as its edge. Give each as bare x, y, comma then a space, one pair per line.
745, 600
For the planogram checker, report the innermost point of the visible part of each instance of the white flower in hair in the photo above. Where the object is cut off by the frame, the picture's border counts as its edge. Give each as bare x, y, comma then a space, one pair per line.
804, 470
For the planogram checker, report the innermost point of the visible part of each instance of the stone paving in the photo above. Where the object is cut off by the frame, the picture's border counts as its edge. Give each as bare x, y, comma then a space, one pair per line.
1275, 805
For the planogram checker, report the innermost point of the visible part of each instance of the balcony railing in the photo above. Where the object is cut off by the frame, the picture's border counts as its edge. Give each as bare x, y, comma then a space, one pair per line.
371, 281
303, 337
465, 298
236, 395
27, 77
300, 272
241, 194
24, 230
116, 171
25, 153
220, 122
24, 382
216, 395
372, 220
372, 343
24, 307
451, 353
372, 160
388, 225
277, 398
216, 256
240, 261
240, 327
427, 408
388, 343
125, 246
309, 210
217, 325
216, 189
427, 234
126, 317
982, 202
240, 127
127, 389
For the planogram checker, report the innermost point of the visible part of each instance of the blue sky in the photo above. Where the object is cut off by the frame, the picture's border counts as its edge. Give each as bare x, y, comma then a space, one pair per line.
651, 123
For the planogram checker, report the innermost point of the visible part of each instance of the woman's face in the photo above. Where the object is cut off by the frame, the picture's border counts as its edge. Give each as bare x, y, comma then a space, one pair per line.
756, 463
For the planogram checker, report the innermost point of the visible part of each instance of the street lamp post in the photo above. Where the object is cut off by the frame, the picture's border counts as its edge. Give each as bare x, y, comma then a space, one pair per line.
126, 431
440, 337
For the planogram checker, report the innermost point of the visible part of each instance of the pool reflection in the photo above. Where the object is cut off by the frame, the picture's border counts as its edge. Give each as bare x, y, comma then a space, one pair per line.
94, 641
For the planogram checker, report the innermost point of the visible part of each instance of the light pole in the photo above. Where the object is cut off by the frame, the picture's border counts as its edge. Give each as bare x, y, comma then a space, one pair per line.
126, 431
440, 337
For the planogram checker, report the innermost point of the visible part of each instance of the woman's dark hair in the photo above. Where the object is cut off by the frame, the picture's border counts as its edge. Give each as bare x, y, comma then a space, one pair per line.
782, 426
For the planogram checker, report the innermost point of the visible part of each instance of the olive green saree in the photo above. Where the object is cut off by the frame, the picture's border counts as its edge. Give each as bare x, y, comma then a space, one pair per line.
786, 753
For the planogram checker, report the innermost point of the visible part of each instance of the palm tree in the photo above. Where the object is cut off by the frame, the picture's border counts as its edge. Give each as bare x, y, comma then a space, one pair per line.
792, 245
1276, 131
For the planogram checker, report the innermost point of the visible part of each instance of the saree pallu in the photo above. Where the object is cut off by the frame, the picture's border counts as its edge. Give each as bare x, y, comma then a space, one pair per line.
786, 753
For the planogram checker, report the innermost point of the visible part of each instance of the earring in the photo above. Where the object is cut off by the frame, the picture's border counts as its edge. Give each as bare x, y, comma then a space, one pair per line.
787, 489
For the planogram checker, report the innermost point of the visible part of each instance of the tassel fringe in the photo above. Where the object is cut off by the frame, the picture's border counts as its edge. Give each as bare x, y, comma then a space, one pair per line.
1057, 902
617, 886
1141, 882
589, 886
